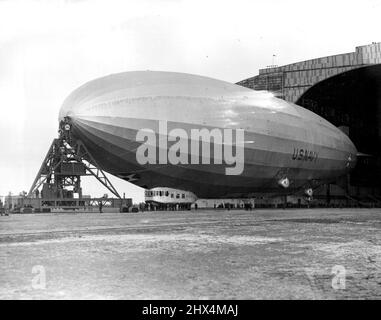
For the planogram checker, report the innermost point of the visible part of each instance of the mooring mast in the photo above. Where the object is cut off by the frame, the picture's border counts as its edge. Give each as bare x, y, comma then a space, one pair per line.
64, 165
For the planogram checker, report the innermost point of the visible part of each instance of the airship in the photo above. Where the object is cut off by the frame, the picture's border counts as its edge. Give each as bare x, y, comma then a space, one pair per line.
209, 137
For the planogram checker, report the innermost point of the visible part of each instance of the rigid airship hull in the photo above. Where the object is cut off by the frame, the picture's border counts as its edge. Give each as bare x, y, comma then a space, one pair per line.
281, 140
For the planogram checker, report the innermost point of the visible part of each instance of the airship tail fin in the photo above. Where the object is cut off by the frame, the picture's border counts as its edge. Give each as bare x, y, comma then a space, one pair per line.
361, 154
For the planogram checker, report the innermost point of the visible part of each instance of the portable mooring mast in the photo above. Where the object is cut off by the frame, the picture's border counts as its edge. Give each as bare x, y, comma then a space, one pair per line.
58, 182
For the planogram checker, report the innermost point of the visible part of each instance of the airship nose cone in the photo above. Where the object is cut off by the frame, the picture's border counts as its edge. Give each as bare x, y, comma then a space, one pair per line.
64, 114
72, 107
69, 108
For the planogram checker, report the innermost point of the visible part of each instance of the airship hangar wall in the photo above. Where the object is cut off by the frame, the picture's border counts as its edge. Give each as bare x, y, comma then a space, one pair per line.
352, 100
344, 89
289, 82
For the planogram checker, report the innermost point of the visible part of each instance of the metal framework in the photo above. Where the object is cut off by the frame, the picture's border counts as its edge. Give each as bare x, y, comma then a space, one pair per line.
60, 154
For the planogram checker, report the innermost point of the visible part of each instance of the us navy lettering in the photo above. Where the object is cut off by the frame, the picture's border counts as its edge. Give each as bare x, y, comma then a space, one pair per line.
304, 155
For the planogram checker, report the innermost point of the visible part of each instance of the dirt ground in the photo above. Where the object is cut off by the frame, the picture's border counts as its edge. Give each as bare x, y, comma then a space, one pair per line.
259, 254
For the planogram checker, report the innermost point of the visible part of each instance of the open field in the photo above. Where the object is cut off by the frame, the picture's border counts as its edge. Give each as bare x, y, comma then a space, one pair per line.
259, 254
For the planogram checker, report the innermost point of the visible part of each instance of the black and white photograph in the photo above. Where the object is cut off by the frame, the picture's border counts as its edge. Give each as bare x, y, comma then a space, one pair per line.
199, 152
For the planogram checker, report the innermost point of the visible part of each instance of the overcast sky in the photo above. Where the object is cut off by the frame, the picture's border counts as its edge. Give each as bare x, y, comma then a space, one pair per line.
49, 48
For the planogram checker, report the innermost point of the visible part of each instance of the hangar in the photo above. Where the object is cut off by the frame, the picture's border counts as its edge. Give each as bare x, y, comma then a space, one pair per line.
346, 90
